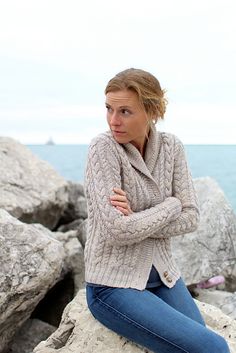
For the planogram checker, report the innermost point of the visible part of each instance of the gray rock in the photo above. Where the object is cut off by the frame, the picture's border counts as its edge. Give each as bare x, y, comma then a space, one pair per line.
230, 277
30, 334
82, 232
80, 226
31, 262
74, 257
229, 284
76, 206
225, 301
80, 332
70, 226
74, 254
212, 247
30, 189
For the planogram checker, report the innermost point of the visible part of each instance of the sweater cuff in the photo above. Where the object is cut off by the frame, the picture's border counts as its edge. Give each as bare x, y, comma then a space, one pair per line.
173, 206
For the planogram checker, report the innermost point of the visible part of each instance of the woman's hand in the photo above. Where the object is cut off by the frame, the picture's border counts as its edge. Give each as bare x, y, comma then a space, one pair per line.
119, 200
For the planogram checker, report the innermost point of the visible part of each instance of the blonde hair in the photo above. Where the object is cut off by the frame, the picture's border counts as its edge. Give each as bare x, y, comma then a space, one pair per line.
150, 94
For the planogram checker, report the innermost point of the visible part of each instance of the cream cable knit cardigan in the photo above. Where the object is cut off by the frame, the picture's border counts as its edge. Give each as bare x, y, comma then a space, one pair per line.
120, 250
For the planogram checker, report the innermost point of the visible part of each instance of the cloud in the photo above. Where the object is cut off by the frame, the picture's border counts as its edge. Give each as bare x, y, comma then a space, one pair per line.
57, 55
66, 123
202, 123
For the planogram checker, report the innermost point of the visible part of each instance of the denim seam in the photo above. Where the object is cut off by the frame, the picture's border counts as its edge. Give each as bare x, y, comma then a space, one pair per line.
139, 325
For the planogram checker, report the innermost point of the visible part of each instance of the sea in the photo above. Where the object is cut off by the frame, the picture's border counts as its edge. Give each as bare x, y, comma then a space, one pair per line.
216, 161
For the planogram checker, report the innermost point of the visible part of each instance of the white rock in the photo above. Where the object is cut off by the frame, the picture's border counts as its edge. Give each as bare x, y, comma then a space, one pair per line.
225, 301
31, 262
220, 323
212, 247
74, 254
30, 189
79, 332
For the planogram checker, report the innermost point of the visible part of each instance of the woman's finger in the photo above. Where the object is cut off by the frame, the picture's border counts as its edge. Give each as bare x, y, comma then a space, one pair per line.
121, 204
118, 197
120, 201
119, 191
123, 210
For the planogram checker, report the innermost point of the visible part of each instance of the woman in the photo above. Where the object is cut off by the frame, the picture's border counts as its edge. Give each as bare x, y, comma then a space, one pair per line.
140, 194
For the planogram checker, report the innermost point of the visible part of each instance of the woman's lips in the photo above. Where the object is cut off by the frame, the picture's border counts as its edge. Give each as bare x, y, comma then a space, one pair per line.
118, 132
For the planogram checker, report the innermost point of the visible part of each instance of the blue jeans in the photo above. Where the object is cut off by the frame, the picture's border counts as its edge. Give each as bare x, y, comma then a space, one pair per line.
161, 319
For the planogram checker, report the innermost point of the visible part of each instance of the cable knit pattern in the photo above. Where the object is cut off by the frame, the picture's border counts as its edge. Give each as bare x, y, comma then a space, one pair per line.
120, 250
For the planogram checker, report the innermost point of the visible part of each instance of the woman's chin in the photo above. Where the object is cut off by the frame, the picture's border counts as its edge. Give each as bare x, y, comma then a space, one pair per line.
120, 137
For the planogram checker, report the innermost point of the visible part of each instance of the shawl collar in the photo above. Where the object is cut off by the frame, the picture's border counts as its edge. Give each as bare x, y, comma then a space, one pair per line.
147, 164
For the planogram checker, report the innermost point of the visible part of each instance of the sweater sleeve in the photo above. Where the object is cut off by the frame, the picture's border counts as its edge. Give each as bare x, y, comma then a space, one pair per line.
102, 175
183, 189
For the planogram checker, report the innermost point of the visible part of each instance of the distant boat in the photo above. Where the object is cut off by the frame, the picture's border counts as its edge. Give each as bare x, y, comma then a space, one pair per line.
50, 141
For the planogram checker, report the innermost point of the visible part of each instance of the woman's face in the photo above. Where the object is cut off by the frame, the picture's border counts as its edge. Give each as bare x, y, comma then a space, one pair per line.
126, 118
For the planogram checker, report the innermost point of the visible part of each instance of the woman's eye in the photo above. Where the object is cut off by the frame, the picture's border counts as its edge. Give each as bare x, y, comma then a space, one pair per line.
109, 109
125, 111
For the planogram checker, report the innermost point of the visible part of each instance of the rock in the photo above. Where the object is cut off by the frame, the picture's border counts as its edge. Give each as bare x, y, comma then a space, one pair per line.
76, 206
80, 332
219, 322
70, 226
31, 262
74, 259
229, 272
212, 247
30, 334
51, 307
82, 232
80, 226
230, 278
225, 301
30, 189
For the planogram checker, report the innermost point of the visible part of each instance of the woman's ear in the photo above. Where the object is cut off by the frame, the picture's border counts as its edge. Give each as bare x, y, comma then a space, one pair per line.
153, 119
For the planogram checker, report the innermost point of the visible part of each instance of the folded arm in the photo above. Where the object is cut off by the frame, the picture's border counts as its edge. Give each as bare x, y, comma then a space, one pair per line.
102, 175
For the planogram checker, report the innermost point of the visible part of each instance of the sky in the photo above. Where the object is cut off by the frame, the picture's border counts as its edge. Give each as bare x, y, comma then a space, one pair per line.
56, 57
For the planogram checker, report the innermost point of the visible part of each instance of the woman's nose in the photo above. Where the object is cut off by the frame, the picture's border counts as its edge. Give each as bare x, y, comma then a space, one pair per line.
115, 119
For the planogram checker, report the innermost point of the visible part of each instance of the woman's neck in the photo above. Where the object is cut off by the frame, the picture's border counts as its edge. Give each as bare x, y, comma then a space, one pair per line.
141, 145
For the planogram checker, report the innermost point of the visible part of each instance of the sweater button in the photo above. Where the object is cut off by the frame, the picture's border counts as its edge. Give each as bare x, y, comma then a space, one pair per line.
169, 279
165, 274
